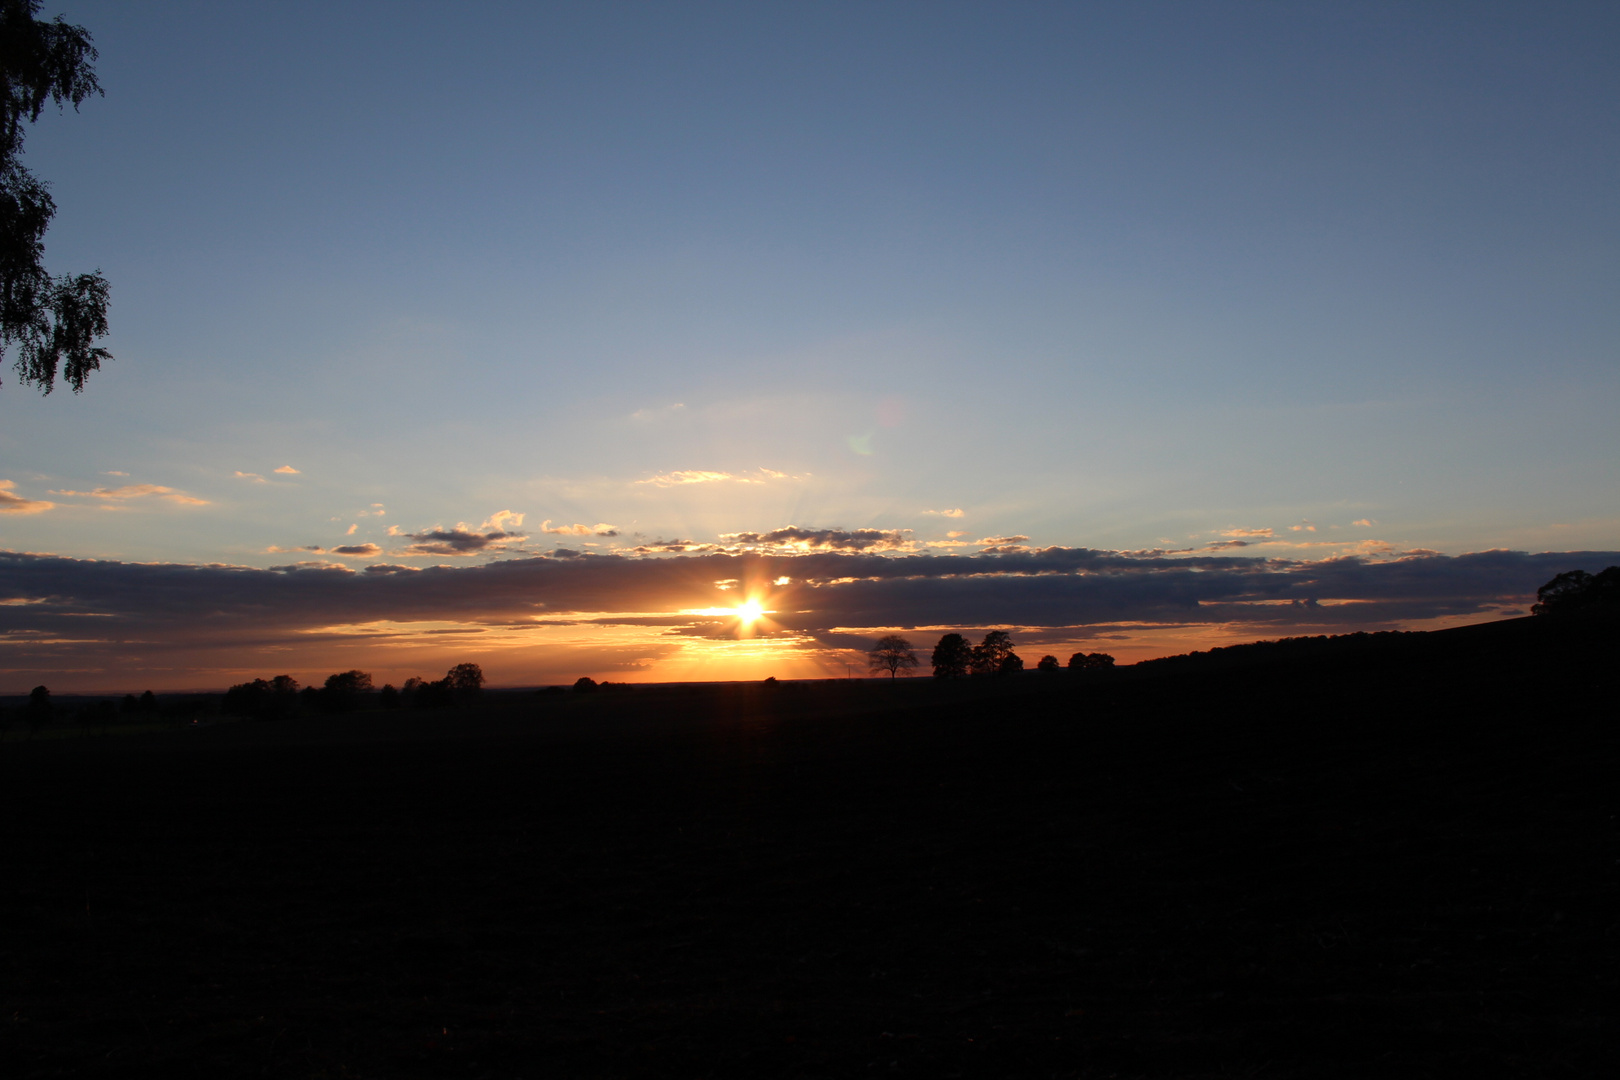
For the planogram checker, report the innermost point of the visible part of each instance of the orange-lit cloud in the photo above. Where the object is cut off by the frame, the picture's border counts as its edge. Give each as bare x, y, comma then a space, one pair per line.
1247, 533
16, 504
1365, 523
954, 513
138, 491
599, 529
253, 476
286, 470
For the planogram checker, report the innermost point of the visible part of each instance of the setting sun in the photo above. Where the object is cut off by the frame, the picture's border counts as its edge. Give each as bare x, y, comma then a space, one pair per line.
749, 612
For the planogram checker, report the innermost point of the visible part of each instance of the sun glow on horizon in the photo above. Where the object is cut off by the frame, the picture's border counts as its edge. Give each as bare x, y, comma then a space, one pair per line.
750, 612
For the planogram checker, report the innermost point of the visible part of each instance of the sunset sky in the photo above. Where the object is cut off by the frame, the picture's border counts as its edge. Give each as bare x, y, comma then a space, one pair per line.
543, 336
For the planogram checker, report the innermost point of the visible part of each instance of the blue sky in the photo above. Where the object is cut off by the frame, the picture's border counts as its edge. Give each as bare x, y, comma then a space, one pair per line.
1111, 277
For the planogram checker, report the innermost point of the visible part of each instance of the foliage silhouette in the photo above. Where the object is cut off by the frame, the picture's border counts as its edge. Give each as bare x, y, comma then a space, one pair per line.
584, 685
342, 691
52, 322
465, 680
951, 657
991, 653
1577, 592
1097, 661
38, 711
1047, 663
891, 653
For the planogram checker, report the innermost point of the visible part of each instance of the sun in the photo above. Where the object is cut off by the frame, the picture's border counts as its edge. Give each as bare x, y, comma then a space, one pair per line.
749, 612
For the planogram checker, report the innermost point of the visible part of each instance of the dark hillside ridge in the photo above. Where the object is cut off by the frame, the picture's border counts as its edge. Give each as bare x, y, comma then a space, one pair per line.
1341, 863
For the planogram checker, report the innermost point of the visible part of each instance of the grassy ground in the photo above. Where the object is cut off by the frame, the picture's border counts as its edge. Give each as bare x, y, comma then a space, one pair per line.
1343, 869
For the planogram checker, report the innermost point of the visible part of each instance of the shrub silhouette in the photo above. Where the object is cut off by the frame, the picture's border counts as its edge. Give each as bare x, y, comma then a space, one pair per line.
584, 685
1047, 663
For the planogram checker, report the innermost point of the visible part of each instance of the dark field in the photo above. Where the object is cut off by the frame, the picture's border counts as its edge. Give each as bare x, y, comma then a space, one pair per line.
1401, 864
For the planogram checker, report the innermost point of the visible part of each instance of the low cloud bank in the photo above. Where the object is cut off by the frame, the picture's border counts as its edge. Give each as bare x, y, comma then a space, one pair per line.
63, 603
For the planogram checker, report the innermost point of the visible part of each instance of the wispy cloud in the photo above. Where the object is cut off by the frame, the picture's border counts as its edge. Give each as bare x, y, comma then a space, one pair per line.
16, 504
1249, 533
682, 477
953, 513
601, 528
253, 476
137, 491
1365, 523
286, 470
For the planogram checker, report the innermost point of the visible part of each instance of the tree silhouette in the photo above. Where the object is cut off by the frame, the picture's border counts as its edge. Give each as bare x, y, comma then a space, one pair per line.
1047, 663
989, 654
951, 657
1577, 591
1097, 661
48, 319
39, 709
465, 680
342, 691
891, 653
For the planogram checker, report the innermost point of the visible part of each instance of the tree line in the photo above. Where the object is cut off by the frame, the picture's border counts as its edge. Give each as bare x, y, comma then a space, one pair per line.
346, 691
955, 658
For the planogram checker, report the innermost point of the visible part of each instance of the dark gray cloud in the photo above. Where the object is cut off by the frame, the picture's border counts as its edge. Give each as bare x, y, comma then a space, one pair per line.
460, 541
44, 597
798, 537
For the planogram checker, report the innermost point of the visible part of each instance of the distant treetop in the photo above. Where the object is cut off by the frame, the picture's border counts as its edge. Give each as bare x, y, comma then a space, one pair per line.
1576, 591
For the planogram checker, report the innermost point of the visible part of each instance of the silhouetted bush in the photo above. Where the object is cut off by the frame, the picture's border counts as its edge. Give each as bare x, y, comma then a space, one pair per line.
1097, 661
1047, 663
584, 685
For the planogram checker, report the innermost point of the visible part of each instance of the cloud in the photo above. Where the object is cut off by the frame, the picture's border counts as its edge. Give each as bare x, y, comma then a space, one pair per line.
500, 519
1045, 594
16, 504
459, 541
793, 537
253, 476
115, 472
1000, 540
599, 529
1365, 523
705, 476
1249, 533
348, 551
351, 530
138, 491
358, 551
1302, 527
286, 470
956, 513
